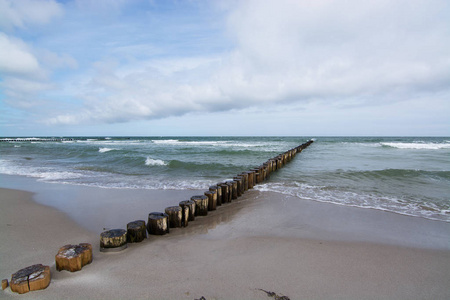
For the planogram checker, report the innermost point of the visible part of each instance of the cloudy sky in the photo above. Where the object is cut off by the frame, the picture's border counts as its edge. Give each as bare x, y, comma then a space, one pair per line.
243, 67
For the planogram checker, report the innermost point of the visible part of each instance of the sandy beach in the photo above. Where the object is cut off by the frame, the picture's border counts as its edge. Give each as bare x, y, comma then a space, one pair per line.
300, 249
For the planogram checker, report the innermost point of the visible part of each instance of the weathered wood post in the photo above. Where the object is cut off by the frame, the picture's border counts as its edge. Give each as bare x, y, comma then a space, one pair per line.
245, 177
274, 164
201, 205
73, 257
265, 169
279, 163
32, 278
225, 191
251, 181
136, 231
212, 199
5, 284
234, 189
218, 189
230, 191
191, 210
240, 185
158, 223
256, 176
113, 240
175, 216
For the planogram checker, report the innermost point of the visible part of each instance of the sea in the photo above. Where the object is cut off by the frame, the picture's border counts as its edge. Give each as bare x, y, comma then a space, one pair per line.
404, 175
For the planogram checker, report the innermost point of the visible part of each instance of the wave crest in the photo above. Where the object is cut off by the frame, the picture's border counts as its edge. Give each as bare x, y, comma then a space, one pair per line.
424, 146
154, 162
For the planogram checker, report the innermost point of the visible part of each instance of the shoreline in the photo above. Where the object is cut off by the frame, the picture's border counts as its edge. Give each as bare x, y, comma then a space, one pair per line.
264, 240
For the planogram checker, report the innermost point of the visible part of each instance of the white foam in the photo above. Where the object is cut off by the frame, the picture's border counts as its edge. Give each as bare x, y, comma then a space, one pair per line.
103, 150
170, 142
186, 143
154, 162
347, 198
425, 146
42, 173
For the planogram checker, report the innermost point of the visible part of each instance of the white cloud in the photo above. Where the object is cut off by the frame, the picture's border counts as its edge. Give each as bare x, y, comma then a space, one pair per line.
340, 53
15, 57
21, 13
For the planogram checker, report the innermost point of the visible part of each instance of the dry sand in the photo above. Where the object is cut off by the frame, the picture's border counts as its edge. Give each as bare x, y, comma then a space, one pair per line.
301, 249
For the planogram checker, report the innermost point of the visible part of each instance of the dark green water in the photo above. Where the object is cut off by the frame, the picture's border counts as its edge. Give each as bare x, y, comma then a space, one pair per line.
408, 175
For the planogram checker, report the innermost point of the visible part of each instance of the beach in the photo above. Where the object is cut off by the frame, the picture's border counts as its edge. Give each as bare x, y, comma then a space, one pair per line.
262, 241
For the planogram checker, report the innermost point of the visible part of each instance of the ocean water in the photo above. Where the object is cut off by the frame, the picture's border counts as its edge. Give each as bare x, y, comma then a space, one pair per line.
406, 175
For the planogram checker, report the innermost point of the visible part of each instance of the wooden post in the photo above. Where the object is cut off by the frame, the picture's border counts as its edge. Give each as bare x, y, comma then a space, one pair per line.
5, 283
212, 199
225, 191
256, 176
240, 185
201, 205
265, 169
245, 176
175, 216
234, 189
230, 190
113, 240
184, 215
136, 231
250, 179
218, 189
279, 163
158, 223
191, 206
73, 257
32, 278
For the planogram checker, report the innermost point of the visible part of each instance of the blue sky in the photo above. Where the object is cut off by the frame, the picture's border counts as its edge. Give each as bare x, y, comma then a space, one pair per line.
244, 67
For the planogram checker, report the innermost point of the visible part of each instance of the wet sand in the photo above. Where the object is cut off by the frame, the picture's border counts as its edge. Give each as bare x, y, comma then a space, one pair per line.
298, 248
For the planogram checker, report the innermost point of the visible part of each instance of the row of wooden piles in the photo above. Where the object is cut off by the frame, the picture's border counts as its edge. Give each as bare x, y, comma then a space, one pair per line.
73, 257
159, 223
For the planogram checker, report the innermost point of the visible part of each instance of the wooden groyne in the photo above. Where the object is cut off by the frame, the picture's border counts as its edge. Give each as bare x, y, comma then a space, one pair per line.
159, 223
73, 257
12, 140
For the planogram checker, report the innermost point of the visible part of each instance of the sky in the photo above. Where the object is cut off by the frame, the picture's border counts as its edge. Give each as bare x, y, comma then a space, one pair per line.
225, 67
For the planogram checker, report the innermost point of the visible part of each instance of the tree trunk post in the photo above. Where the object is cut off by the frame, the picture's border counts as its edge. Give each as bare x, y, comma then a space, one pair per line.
234, 189
175, 216
73, 257
245, 176
113, 240
201, 205
230, 191
212, 199
191, 210
32, 278
158, 223
240, 186
5, 283
250, 179
136, 231
224, 187
219, 193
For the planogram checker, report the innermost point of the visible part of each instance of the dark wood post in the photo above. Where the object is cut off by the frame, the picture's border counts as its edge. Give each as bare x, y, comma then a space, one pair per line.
240, 185
234, 192
201, 205
158, 223
218, 189
212, 199
175, 216
225, 191
245, 177
136, 231
113, 240
191, 212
